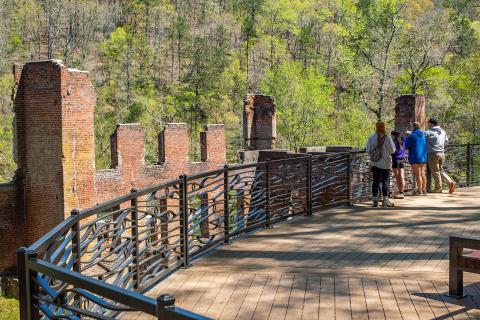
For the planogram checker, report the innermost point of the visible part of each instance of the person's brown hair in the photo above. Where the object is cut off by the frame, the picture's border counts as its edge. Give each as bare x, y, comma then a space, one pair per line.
398, 138
416, 125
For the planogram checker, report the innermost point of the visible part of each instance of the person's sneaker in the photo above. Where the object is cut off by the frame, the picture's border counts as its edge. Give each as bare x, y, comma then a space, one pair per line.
453, 187
424, 193
387, 204
417, 193
400, 195
375, 203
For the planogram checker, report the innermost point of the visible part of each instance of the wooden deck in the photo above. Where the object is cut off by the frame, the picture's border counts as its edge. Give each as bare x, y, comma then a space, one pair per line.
345, 263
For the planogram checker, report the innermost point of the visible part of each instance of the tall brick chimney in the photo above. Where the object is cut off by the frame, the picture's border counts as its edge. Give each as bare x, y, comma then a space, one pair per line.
55, 143
259, 122
409, 108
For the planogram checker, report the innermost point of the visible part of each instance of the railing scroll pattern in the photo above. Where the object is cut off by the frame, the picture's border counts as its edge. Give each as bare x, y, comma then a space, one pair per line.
98, 263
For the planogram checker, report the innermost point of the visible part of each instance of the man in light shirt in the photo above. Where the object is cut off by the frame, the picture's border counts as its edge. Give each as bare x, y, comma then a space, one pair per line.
436, 140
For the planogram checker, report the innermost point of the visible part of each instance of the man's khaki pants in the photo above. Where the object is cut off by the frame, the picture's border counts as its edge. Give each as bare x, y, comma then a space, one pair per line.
435, 163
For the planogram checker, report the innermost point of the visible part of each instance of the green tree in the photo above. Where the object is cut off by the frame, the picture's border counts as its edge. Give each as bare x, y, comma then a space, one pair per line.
7, 165
374, 37
304, 105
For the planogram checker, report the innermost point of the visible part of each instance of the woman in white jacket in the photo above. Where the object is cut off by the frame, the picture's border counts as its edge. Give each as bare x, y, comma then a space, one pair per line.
380, 147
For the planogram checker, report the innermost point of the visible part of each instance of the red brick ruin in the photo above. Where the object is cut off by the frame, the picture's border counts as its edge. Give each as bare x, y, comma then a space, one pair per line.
409, 108
259, 125
55, 155
55, 151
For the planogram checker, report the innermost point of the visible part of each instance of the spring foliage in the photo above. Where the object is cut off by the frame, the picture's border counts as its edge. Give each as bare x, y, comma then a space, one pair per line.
334, 67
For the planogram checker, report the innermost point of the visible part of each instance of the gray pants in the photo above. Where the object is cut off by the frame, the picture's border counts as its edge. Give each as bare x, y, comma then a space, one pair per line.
435, 163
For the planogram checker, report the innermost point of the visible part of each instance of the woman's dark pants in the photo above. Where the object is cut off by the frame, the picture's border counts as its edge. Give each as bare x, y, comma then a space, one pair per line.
380, 176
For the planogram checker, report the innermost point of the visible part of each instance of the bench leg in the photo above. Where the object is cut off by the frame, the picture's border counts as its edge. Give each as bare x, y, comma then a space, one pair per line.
455, 282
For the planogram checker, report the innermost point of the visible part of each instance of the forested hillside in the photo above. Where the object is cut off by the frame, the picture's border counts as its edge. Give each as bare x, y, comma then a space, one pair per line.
334, 66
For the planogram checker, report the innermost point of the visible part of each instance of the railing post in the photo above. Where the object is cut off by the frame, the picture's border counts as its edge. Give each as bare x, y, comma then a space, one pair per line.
136, 251
76, 249
349, 179
226, 209
26, 286
76, 241
164, 302
267, 194
469, 165
309, 186
184, 220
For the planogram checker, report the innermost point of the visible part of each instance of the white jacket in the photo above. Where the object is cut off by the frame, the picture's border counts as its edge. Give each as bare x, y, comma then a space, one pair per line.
388, 149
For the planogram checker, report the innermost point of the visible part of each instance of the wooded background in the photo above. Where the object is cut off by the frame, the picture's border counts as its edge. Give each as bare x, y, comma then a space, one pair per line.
334, 66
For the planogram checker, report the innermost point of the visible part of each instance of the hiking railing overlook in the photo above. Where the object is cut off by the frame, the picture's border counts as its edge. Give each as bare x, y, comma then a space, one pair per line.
99, 262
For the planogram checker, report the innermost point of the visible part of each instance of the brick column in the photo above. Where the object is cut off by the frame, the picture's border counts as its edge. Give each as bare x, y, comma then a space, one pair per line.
78, 144
409, 108
54, 143
173, 144
213, 145
259, 122
128, 154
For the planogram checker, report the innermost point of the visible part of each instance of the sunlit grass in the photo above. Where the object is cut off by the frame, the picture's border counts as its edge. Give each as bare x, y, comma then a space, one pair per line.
9, 309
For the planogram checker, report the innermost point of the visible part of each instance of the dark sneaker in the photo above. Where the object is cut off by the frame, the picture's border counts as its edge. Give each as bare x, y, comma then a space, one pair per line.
375, 203
387, 204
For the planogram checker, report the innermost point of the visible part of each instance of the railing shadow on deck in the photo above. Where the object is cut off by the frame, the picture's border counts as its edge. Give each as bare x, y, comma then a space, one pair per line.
98, 262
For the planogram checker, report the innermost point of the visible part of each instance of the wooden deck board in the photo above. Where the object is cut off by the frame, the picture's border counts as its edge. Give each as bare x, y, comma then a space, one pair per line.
455, 308
345, 263
311, 303
327, 298
357, 300
372, 299
389, 303
297, 298
433, 298
264, 306
342, 299
282, 296
424, 311
253, 296
236, 299
223, 295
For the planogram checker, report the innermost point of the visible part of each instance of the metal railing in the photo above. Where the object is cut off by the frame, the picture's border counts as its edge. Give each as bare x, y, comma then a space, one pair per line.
98, 262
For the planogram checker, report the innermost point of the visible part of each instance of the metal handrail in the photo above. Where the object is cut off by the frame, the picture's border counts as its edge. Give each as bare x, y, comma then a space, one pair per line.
273, 190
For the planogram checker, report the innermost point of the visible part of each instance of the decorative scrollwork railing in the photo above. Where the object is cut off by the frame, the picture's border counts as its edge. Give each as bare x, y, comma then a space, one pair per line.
98, 263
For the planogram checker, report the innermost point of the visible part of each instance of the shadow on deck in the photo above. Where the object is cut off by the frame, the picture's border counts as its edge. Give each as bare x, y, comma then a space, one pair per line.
345, 263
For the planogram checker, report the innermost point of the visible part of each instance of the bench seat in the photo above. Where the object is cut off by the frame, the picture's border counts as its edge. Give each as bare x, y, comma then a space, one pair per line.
460, 261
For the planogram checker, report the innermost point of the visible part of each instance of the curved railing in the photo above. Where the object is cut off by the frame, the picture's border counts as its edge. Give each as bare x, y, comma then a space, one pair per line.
97, 263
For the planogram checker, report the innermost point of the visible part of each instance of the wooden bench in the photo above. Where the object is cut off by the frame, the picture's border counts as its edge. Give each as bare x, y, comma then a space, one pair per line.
462, 262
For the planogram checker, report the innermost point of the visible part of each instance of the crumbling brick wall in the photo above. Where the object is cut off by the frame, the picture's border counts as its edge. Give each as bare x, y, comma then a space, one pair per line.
259, 122
55, 155
129, 169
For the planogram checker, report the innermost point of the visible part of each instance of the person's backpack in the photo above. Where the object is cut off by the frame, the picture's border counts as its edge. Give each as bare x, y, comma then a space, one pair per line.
376, 153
